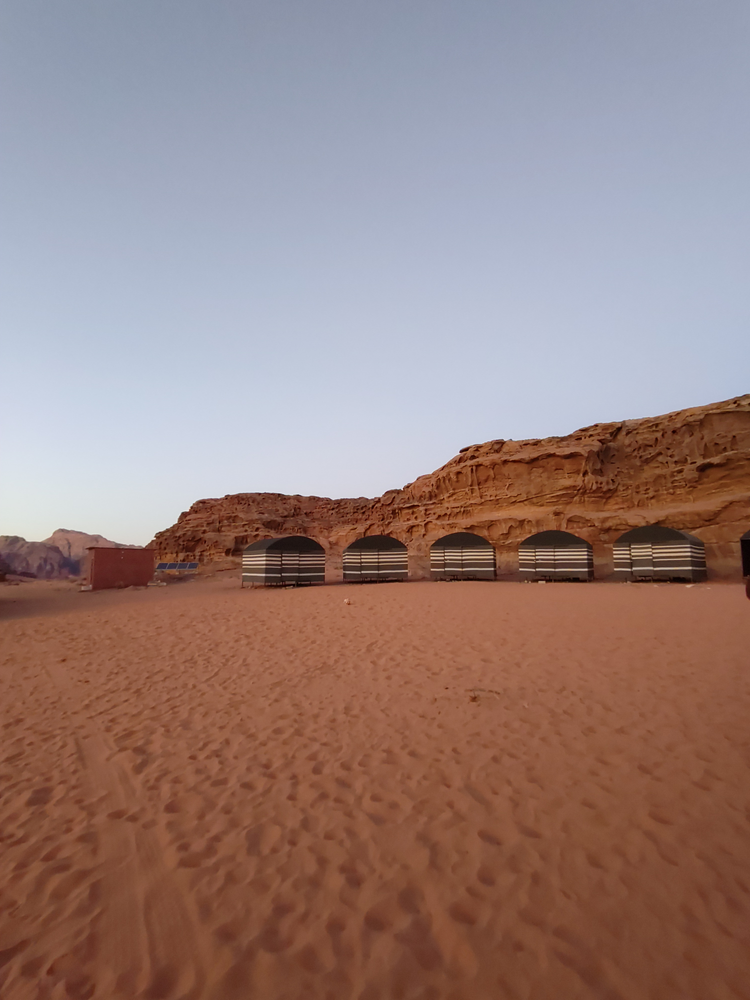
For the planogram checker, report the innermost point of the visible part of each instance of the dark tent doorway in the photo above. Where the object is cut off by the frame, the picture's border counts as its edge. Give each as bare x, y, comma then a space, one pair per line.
745, 553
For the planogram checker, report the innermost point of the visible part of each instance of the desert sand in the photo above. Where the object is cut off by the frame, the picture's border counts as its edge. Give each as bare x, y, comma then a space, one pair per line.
441, 791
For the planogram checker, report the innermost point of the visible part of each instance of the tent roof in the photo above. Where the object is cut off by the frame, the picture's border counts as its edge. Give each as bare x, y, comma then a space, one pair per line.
380, 542
557, 539
656, 533
462, 539
290, 543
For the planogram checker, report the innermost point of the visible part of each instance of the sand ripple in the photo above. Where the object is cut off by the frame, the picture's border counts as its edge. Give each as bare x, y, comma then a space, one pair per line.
437, 792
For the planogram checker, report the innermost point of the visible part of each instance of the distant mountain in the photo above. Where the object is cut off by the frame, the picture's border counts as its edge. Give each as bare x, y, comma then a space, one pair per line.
57, 557
35, 559
73, 544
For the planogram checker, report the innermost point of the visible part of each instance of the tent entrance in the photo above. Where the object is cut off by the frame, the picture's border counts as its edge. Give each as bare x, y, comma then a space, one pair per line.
642, 559
289, 569
745, 550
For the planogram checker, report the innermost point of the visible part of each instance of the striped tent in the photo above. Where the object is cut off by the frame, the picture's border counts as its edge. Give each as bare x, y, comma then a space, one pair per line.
462, 556
279, 562
745, 550
657, 553
374, 559
555, 555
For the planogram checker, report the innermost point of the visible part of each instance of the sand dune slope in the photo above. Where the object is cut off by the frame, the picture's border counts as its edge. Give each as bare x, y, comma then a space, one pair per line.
438, 792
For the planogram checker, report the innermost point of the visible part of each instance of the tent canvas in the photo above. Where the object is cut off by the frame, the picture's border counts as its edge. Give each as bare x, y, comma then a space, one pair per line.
290, 561
555, 555
375, 559
462, 555
655, 552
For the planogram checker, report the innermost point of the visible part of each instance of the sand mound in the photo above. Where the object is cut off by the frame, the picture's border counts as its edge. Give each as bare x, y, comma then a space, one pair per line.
438, 791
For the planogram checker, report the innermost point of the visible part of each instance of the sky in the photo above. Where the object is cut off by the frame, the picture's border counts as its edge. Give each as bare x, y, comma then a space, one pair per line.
317, 246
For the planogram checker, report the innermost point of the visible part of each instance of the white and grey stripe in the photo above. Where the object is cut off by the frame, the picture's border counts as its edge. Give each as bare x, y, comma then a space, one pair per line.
374, 565
668, 560
569, 562
269, 567
473, 562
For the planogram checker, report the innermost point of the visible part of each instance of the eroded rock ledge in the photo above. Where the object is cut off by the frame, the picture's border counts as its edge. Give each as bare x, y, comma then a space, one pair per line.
689, 469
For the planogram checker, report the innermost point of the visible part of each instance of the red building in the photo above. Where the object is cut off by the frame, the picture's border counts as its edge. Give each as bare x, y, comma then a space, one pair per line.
113, 567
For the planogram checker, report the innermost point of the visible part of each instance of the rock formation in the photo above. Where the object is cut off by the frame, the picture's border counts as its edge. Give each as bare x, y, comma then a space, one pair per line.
73, 544
689, 469
35, 559
59, 556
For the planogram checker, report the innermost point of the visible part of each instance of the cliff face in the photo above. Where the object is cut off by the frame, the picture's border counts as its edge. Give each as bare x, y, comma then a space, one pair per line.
689, 470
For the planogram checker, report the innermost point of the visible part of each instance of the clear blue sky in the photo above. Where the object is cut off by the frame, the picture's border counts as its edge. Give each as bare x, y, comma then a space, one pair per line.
317, 247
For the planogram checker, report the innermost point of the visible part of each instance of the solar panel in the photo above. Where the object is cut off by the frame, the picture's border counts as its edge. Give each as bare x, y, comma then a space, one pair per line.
182, 565
192, 565
171, 565
161, 566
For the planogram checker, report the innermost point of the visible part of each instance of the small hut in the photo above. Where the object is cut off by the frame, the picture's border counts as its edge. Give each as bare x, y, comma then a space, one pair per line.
555, 555
375, 559
113, 567
462, 556
745, 551
654, 552
279, 562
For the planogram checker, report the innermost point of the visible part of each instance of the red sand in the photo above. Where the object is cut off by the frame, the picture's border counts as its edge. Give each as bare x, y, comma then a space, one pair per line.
441, 791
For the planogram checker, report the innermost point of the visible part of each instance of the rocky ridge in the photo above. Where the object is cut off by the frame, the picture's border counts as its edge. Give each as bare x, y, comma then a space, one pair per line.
73, 544
689, 469
35, 559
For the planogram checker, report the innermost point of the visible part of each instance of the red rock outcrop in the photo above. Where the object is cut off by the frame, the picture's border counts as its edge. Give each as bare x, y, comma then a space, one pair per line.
689, 469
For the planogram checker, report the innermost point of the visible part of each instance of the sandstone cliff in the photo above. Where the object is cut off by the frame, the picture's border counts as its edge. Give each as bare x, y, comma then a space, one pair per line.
689, 469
